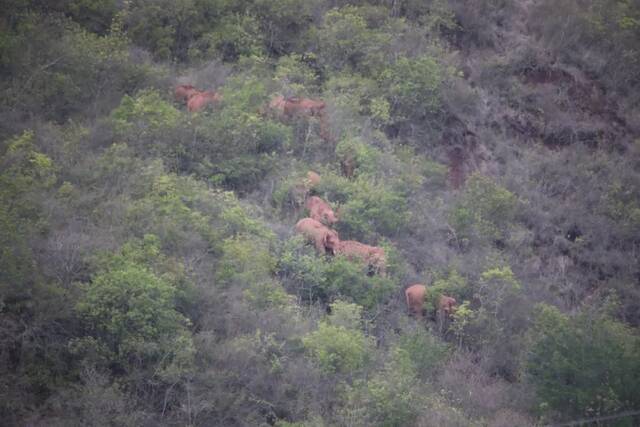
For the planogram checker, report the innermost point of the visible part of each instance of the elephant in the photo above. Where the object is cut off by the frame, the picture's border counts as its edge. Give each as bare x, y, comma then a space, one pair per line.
415, 299
303, 107
321, 211
182, 93
447, 305
324, 239
285, 108
276, 105
312, 180
299, 192
373, 256
200, 100
415, 295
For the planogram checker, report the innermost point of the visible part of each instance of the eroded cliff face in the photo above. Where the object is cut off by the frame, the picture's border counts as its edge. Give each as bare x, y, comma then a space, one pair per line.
528, 94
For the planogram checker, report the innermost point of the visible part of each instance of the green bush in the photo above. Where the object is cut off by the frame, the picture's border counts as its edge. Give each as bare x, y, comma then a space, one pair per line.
344, 278
246, 259
283, 22
129, 311
363, 157
394, 396
413, 86
236, 147
315, 278
182, 211
368, 206
294, 75
347, 41
585, 365
424, 350
236, 36
485, 210
144, 115
337, 348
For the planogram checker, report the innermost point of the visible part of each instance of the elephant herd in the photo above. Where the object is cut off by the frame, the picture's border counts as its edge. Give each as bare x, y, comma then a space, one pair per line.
280, 107
317, 227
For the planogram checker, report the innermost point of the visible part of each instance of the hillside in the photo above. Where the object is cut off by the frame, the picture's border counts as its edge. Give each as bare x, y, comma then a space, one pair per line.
157, 156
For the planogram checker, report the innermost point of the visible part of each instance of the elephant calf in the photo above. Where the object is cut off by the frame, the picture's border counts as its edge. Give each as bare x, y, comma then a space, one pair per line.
415, 301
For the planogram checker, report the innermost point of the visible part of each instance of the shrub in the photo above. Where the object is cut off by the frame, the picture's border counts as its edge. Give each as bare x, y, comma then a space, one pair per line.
295, 76
424, 350
314, 278
347, 41
344, 278
78, 72
357, 155
369, 206
245, 260
236, 147
26, 175
485, 210
144, 115
130, 312
183, 212
337, 348
234, 37
413, 86
586, 365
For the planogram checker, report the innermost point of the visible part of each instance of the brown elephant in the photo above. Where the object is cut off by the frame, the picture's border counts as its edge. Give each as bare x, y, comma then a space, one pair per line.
415, 295
285, 108
415, 299
276, 105
312, 180
447, 305
321, 211
324, 239
298, 193
303, 107
373, 256
182, 93
200, 100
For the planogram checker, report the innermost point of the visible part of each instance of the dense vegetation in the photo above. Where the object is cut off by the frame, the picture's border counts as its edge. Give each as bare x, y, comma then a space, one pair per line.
149, 271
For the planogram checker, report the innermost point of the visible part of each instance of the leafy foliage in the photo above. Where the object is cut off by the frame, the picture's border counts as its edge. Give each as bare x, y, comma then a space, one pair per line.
585, 364
338, 345
485, 210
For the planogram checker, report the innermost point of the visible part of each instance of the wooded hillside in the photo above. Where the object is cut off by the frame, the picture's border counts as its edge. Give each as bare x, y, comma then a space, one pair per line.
156, 157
